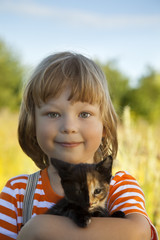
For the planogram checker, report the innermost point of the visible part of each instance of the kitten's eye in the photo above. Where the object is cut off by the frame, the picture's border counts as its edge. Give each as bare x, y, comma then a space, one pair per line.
97, 191
84, 114
53, 115
78, 191
77, 188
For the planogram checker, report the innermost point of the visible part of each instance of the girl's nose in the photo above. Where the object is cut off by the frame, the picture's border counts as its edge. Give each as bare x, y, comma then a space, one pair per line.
69, 125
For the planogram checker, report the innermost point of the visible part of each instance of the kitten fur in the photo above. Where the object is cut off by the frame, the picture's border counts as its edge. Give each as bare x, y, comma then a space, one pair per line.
86, 188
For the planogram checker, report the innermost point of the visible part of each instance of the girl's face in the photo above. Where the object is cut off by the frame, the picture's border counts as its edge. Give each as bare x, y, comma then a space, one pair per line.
70, 131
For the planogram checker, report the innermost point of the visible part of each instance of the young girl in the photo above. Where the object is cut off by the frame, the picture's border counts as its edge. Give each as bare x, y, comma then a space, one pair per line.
67, 113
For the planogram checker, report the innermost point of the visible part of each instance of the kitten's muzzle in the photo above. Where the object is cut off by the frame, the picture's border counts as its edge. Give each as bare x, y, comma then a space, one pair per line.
91, 206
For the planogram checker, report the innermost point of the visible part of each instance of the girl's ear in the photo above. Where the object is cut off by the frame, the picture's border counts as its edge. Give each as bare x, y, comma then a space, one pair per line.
104, 132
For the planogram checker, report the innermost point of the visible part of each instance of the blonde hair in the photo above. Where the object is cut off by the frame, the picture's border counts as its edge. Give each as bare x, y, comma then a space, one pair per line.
87, 83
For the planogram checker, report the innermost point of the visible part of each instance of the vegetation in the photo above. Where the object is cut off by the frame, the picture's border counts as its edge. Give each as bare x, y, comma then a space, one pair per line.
139, 154
12, 160
143, 100
11, 74
139, 126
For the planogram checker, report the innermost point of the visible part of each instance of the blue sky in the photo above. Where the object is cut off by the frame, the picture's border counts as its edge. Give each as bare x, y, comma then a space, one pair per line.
128, 31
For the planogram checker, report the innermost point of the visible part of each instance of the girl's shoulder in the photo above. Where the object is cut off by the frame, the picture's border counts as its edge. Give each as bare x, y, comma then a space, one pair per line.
19, 179
121, 176
124, 183
127, 196
15, 186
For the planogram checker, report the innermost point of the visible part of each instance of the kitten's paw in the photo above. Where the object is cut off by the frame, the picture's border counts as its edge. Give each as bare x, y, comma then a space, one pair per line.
89, 221
84, 221
118, 214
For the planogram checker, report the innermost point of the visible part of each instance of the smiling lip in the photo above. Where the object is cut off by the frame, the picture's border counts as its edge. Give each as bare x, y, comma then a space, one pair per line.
69, 144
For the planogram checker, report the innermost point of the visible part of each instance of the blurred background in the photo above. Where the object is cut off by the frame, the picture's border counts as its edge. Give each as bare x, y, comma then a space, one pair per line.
123, 37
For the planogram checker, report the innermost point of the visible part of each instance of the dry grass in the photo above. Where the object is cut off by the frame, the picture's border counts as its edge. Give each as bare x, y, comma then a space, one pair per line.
139, 154
12, 160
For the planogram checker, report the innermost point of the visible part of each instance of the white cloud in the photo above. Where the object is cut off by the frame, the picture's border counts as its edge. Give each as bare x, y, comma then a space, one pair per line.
75, 16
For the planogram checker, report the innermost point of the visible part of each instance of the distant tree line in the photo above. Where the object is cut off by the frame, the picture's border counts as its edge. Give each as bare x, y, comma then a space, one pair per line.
144, 99
11, 75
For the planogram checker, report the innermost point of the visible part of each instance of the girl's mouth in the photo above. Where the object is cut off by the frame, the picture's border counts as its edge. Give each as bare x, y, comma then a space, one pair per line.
69, 144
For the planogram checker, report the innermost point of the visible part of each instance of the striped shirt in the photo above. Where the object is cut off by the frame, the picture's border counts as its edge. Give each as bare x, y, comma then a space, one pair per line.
125, 195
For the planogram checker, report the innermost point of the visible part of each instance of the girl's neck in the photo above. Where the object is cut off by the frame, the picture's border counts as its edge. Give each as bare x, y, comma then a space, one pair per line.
55, 181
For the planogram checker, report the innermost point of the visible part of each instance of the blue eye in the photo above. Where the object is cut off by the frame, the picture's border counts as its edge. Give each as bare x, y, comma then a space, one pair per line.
84, 114
53, 115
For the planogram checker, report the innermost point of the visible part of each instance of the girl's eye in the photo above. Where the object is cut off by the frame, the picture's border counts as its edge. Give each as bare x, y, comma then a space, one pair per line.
84, 114
53, 115
97, 191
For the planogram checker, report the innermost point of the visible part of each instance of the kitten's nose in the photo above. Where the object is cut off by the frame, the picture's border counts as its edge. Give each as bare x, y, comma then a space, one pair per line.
88, 205
92, 204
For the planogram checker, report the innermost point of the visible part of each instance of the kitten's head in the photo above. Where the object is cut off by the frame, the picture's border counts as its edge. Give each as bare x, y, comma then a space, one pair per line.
86, 185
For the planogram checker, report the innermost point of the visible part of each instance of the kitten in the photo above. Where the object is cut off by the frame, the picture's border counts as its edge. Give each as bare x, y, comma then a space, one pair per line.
86, 188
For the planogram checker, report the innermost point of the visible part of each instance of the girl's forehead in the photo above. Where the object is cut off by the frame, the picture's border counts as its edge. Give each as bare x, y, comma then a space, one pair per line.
63, 100
84, 87
71, 94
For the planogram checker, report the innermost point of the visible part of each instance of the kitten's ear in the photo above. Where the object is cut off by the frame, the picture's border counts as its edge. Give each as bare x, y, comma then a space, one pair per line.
105, 167
107, 162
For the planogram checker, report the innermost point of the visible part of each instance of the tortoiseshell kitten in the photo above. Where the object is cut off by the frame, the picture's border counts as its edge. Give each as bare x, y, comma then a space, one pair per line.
86, 188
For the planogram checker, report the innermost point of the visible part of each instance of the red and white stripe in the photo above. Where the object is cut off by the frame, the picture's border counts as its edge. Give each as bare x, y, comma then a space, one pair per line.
125, 195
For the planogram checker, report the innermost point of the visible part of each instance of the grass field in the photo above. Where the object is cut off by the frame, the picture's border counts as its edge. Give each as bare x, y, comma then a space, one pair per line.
139, 154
